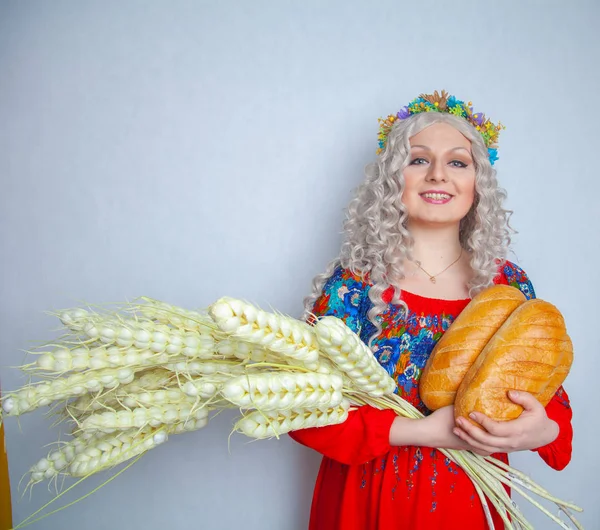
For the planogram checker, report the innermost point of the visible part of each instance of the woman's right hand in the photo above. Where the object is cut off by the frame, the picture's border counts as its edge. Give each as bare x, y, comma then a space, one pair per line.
435, 430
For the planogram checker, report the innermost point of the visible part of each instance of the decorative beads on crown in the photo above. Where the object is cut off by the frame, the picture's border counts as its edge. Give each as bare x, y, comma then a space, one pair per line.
449, 104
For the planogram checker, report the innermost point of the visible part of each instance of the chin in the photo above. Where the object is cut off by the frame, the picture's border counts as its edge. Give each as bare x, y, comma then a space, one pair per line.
437, 220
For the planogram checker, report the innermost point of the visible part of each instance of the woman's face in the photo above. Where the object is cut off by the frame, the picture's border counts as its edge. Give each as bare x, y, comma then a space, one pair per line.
440, 178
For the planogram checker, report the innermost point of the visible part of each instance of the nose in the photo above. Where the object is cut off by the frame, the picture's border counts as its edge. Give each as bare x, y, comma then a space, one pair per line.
437, 172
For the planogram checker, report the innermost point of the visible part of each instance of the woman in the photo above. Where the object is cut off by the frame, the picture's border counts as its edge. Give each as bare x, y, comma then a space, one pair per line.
425, 233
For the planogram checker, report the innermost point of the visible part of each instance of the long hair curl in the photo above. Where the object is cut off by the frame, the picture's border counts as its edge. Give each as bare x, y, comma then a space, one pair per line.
376, 238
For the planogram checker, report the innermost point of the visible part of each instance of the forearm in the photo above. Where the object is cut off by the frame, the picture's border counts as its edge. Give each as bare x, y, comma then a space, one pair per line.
421, 432
435, 430
408, 431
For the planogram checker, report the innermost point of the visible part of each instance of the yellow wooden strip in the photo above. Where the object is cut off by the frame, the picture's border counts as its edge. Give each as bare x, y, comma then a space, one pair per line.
5, 502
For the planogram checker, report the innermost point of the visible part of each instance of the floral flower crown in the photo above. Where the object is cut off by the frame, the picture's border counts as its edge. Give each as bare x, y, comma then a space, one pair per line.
444, 103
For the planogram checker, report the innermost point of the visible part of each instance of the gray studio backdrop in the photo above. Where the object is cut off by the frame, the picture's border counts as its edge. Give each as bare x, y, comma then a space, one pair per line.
189, 150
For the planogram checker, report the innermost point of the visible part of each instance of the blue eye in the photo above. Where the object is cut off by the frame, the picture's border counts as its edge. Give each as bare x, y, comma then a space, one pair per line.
458, 163
418, 161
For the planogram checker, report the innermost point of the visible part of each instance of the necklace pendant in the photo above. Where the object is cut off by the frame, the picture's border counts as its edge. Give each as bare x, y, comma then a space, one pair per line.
432, 279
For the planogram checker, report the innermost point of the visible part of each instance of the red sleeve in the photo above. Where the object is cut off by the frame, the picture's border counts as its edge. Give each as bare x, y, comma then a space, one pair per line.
557, 454
365, 435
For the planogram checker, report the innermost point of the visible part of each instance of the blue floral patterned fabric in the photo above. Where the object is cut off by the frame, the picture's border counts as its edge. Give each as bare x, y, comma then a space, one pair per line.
405, 343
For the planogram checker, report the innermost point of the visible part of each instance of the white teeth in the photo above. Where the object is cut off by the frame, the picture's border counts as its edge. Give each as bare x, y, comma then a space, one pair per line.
437, 196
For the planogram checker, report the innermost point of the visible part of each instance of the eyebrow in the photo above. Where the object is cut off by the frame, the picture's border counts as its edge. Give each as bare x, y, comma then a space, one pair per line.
429, 149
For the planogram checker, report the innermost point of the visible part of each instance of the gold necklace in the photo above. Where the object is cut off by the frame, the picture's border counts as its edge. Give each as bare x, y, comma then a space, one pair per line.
433, 276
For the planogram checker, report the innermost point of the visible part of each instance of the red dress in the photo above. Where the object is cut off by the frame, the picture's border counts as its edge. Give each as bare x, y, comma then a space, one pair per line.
363, 482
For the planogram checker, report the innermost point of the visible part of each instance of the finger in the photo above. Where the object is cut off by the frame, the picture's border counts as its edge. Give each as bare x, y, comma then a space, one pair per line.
496, 428
479, 435
464, 446
474, 444
525, 399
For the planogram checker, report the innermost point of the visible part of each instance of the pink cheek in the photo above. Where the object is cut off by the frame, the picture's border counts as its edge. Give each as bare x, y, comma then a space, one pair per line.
468, 193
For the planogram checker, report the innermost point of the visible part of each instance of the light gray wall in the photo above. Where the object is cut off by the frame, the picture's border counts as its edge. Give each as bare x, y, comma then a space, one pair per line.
189, 150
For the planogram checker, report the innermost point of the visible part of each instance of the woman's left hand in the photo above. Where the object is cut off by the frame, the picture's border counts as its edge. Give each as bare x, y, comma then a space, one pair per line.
532, 429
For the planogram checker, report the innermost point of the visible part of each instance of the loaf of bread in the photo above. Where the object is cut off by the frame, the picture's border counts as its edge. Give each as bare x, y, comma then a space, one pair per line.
530, 352
458, 348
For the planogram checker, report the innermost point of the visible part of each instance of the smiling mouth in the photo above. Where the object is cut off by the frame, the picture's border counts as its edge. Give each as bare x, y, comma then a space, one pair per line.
436, 196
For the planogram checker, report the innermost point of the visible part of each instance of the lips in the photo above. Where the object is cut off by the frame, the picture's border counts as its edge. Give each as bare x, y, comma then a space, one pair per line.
436, 197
